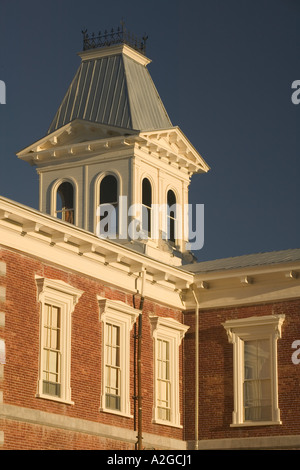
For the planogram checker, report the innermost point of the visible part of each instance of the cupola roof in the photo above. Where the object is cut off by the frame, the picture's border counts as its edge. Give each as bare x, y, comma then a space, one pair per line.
112, 86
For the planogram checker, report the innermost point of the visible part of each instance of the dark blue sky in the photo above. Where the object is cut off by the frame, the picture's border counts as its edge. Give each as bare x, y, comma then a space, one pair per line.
224, 71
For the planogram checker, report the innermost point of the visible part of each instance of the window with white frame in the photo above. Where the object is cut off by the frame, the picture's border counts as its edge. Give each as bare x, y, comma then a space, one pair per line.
171, 217
107, 212
113, 367
57, 302
163, 380
65, 202
167, 334
117, 321
147, 207
255, 375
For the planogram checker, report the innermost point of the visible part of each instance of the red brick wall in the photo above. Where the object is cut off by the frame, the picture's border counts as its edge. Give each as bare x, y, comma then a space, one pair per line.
216, 373
25, 436
22, 351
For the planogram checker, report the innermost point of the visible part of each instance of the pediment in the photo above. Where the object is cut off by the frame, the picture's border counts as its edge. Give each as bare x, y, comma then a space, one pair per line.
78, 134
172, 145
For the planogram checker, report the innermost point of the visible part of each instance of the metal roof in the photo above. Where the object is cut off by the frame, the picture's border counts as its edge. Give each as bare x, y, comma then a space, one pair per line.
244, 261
114, 90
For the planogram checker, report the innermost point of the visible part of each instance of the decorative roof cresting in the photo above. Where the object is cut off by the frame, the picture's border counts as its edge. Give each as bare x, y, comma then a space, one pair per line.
114, 37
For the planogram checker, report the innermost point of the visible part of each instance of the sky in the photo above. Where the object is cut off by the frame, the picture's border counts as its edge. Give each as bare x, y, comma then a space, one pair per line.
224, 71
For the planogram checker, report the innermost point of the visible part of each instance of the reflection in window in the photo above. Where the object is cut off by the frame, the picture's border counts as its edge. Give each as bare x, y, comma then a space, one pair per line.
65, 202
171, 216
146, 204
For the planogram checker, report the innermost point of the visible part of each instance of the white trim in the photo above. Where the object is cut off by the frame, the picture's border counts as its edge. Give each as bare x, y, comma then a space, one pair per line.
122, 315
45, 244
247, 329
65, 297
172, 331
113, 50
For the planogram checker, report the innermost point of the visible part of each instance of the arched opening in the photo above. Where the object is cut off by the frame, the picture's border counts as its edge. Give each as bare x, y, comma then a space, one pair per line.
171, 216
147, 206
108, 205
65, 202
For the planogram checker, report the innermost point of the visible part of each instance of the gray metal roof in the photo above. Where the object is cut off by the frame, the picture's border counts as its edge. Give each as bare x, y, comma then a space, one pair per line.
252, 260
114, 90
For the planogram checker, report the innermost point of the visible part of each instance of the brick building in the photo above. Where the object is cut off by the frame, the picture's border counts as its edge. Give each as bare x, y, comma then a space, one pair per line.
112, 336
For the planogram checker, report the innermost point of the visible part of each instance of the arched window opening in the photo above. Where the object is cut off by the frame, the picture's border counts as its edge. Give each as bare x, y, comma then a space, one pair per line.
108, 205
65, 202
171, 216
147, 206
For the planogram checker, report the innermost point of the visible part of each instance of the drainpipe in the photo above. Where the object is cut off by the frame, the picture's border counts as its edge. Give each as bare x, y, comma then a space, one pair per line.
139, 364
196, 368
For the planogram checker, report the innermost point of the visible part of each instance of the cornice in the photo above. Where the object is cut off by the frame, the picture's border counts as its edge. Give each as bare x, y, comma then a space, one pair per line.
92, 54
51, 240
82, 140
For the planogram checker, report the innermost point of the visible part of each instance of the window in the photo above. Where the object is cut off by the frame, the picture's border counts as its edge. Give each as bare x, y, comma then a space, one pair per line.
167, 334
112, 365
108, 209
65, 202
117, 321
257, 380
52, 350
255, 369
171, 216
146, 206
57, 301
163, 380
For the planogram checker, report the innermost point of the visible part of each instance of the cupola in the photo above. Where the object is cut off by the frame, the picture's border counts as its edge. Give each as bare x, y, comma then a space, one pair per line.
111, 162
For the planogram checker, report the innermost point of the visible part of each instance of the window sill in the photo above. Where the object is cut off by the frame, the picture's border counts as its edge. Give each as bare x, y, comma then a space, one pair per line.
56, 399
167, 423
256, 423
115, 412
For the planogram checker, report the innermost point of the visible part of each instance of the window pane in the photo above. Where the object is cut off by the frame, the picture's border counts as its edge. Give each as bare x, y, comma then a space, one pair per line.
112, 368
51, 351
146, 193
257, 381
109, 190
163, 380
109, 205
171, 201
147, 205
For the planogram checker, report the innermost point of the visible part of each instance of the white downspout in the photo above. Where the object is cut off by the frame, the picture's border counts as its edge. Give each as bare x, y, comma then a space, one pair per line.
139, 363
196, 368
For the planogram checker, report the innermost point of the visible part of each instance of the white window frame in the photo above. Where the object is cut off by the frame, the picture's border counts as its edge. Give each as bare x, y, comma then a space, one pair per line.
249, 329
172, 331
119, 314
53, 200
65, 297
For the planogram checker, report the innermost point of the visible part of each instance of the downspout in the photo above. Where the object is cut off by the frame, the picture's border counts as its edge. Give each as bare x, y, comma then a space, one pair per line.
139, 363
196, 368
